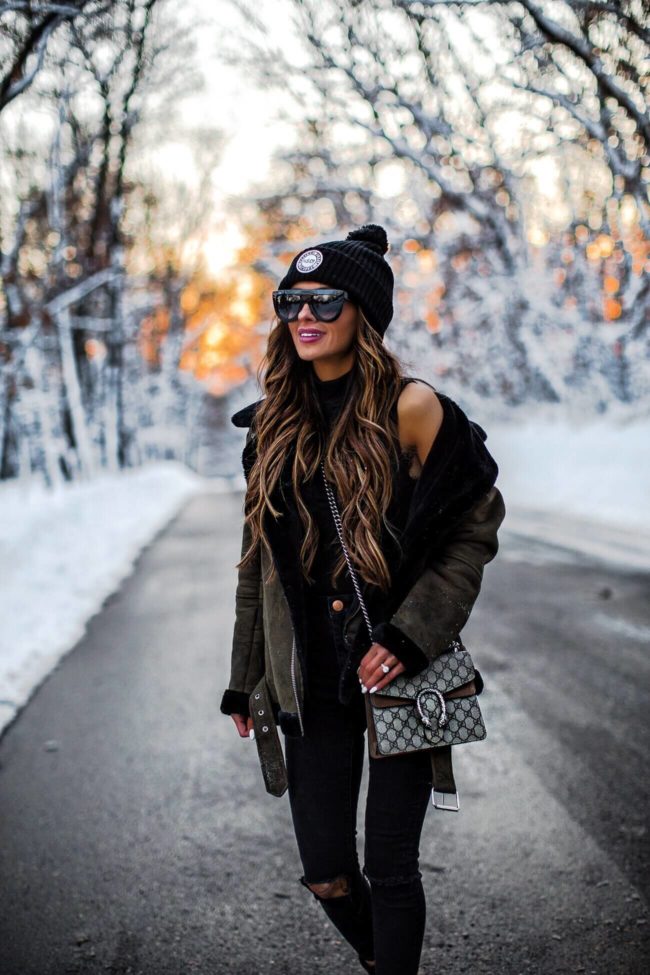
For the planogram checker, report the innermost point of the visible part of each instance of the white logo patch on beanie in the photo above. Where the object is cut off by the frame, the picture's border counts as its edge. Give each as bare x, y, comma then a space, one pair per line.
309, 261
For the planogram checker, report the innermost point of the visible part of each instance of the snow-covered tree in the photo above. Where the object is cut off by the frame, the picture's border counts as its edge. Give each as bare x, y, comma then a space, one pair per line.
75, 384
440, 120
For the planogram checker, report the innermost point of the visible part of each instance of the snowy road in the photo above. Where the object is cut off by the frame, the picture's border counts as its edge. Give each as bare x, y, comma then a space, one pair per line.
135, 835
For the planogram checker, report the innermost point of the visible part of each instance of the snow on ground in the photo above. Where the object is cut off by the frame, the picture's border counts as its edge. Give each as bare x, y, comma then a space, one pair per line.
584, 489
62, 553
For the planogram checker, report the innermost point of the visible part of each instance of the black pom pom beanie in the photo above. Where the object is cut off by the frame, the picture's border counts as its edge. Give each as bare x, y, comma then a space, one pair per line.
356, 265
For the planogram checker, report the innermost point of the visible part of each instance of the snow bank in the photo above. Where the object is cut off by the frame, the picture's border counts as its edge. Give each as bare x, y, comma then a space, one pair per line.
62, 553
585, 487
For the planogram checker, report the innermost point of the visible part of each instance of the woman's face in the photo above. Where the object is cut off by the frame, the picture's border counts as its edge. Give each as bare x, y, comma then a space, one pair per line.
332, 341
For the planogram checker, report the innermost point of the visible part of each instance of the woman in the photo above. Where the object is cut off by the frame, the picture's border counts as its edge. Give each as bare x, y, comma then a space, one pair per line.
414, 485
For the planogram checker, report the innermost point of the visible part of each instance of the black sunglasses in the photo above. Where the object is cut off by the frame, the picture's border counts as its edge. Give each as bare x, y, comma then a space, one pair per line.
325, 304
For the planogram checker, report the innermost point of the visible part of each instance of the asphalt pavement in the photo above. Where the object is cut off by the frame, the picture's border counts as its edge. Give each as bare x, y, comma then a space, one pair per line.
136, 835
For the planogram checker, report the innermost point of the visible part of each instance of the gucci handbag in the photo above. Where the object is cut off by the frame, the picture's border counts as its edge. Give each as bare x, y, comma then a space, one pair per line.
429, 711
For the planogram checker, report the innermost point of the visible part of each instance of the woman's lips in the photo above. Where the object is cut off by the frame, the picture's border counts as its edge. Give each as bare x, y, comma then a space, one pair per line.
310, 336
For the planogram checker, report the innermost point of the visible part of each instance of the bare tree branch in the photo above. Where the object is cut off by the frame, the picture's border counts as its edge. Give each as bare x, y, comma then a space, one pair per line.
32, 41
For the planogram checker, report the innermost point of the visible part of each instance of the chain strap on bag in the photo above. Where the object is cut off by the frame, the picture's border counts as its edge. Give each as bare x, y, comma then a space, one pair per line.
430, 711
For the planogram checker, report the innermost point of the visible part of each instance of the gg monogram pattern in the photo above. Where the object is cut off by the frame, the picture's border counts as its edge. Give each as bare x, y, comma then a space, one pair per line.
445, 673
400, 729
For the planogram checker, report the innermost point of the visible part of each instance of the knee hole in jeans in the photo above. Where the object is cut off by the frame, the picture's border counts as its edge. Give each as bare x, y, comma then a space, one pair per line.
326, 889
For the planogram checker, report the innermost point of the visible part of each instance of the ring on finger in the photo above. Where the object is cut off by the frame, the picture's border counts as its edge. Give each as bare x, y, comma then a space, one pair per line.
385, 668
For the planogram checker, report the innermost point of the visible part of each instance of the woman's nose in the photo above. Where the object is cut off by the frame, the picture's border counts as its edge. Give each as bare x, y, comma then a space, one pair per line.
305, 313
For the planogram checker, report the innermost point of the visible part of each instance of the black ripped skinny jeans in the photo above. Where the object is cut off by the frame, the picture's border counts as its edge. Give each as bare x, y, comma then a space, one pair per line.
383, 915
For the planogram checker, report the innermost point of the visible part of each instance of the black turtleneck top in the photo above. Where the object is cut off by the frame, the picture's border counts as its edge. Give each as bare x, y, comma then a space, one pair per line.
331, 396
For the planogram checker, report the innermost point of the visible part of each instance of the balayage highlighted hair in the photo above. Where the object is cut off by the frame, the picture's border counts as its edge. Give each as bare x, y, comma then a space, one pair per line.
362, 443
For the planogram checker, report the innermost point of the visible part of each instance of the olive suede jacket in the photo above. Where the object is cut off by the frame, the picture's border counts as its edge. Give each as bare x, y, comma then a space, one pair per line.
449, 535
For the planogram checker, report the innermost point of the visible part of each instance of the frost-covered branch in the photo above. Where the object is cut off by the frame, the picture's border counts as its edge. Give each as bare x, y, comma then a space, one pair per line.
31, 36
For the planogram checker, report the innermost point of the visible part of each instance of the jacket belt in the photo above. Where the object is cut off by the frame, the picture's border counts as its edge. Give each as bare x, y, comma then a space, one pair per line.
267, 739
442, 769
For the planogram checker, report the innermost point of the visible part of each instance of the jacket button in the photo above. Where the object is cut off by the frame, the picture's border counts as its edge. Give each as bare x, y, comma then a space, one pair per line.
338, 605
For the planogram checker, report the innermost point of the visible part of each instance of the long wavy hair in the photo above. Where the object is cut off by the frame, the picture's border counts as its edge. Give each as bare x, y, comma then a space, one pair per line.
358, 456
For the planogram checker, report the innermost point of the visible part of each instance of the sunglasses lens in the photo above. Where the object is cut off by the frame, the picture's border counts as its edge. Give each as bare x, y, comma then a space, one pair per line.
287, 306
327, 307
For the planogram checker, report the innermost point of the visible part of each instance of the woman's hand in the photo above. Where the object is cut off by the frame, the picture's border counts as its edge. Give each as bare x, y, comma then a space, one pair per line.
244, 724
371, 675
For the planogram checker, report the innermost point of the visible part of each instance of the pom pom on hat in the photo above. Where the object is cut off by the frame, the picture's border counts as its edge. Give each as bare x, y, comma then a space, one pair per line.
372, 234
356, 265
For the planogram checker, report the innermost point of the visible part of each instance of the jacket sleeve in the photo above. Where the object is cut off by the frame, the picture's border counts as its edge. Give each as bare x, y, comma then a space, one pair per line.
247, 656
439, 604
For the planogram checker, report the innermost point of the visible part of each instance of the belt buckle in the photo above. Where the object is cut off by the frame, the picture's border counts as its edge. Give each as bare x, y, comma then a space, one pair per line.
445, 800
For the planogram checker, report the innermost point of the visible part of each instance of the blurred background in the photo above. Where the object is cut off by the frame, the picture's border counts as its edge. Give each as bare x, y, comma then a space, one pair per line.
162, 162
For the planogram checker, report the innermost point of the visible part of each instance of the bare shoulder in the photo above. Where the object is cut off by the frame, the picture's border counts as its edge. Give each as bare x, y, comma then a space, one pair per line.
419, 417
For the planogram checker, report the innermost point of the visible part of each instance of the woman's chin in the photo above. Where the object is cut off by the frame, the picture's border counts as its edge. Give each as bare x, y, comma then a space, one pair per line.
308, 352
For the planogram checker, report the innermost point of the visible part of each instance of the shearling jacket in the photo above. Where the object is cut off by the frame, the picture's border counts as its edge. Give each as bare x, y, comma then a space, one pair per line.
450, 533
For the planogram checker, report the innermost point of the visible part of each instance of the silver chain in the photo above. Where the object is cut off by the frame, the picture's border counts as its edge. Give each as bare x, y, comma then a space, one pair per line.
339, 530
